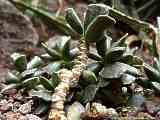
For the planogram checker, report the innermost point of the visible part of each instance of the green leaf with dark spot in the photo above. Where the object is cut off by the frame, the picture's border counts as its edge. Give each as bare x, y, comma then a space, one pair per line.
94, 56
74, 21
20, 61
96, 28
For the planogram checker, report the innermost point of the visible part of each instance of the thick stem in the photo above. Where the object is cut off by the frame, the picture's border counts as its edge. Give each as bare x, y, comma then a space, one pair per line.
68, 79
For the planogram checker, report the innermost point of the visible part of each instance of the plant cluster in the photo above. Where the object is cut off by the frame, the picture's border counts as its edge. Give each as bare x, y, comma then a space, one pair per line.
113, 65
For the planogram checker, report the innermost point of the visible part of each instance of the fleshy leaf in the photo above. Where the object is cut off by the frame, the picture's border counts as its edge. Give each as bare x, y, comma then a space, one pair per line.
20, 61
127, 79
93, 11
30, 82
114, 54
42, 108
116, 70
96, 28
102, 82
94, 67
89, 92
64, 47
103, 45
34, 63
55, 79
28, 73
51, 52
157, 64
53, 67
46, 83
156, 86
43, 94
89, 77
46, 56
74, 21
121, 41
151, 72
11, 78
52, 20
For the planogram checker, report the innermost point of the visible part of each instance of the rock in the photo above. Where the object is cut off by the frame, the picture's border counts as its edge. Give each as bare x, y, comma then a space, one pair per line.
137, 101
26, 108
14, 116
112, 112
152, 107
2, 117
15, 107
157, 117
16, 34
5, 105
32, 117
144, 116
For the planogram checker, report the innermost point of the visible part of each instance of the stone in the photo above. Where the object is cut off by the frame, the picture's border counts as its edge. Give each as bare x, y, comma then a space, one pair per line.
157, 117
5, 105
26, 108
152, 107
14, 116
32, 117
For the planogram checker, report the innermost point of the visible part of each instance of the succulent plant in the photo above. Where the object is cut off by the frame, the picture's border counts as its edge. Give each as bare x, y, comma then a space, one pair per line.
51, 76
24, 74
116, 66
112, 61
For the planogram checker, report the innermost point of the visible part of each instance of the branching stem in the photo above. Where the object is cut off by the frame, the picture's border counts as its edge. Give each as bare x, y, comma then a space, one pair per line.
69, 78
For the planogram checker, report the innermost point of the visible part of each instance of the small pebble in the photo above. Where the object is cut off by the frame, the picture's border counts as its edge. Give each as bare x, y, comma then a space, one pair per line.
32, 117
26, 108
